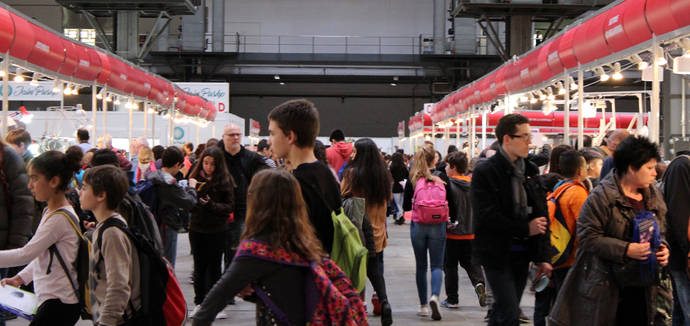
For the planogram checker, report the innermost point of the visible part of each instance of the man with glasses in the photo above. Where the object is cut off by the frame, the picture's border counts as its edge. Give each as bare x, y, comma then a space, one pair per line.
242, 165
509, 206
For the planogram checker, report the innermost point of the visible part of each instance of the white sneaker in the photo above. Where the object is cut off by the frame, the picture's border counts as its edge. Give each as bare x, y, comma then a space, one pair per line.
423, 311
435, 310
194, 311
221, 315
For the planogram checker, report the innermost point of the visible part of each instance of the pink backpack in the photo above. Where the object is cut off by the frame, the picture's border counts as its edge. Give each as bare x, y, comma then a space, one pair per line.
429, 204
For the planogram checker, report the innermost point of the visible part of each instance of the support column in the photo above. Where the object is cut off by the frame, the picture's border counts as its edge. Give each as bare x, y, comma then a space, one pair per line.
580, 106
153, 129
673, 109
520, 40
131, 124
105, 112
218, 26
171, 126
439, 26
5, 93
655, 105
94, 108
146, 120
473, 132
127, 34
485, 119
566, 117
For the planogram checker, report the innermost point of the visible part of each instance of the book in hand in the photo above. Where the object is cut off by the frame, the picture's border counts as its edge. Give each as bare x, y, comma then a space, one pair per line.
18, 301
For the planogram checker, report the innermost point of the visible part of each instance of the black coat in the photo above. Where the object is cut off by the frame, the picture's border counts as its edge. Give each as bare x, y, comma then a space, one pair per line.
496, 225
676, 191
242, 166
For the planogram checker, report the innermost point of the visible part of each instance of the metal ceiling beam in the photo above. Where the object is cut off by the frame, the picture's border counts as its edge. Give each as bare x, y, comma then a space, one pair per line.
100, 33
159, 27
493, 37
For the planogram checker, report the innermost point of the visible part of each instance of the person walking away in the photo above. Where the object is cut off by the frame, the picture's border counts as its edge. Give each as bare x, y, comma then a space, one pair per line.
173, 201
366, 176
676, 189
340, 150
427, 236
49, 177
209, 222
509, 204
277, 244
565, 202
621, 237
242, 165
114, 277
293, 127
400, 174
460, 233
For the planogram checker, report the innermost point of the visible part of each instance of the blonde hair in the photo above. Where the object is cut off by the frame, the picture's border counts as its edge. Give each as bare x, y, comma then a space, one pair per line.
421, 166
145, 154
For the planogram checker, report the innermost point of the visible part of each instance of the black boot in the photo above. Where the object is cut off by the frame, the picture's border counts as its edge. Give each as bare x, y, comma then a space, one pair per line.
386, 313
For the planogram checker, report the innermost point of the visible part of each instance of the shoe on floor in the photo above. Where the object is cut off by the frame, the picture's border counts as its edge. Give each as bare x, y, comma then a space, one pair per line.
488, 314
232, 301
221, 315
423, 311
376, 304
400, 221
480, 289
523, 318
435, 310
386, 314
445, 304
194, 311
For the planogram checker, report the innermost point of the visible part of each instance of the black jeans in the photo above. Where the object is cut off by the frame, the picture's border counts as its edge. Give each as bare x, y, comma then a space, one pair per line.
207, 252
507, 284
53, 312
375, 276
232, 240
459, 251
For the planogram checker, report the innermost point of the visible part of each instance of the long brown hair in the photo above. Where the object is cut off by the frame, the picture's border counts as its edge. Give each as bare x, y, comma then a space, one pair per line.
276, 212
421, 167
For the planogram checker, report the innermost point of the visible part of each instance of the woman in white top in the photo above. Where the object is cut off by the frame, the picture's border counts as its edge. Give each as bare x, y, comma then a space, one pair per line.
49, 177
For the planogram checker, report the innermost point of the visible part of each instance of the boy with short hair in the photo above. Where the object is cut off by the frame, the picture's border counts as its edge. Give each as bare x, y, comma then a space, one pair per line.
114, 277
293, 127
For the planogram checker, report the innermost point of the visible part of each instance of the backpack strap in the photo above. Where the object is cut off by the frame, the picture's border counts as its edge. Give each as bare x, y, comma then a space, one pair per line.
271, 305
55, 252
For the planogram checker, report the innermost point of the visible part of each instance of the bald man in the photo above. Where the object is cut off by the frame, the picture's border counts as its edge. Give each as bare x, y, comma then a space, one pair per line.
242, 165
615, 138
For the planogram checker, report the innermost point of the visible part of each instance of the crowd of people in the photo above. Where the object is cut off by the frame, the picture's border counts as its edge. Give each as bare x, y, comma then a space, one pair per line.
599, 233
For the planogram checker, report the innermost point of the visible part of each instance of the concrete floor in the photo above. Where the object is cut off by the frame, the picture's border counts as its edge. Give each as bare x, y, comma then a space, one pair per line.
400, 282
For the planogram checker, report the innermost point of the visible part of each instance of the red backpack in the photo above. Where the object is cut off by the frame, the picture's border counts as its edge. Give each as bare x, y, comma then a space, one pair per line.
429, 204
337, 302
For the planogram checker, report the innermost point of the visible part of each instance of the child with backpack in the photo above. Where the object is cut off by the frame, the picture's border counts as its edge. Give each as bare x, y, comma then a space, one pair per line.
428, 229
114, 277
284, 263
49, 176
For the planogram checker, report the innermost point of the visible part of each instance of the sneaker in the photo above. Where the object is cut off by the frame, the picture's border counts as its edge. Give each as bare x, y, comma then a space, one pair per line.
194, 311
523, 318
376, 304
488, 315
423, 311
400, 220
221, 315
480, 289
386, 314
435, 311
445, 304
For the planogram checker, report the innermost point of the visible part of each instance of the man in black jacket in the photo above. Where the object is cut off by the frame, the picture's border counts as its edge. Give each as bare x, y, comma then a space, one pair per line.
242, 165
509, 206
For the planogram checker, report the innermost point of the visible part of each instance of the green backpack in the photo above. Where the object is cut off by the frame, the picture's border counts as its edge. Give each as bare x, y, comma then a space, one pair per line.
348, 252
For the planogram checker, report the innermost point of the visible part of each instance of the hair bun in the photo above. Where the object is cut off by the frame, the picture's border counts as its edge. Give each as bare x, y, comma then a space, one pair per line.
73, 159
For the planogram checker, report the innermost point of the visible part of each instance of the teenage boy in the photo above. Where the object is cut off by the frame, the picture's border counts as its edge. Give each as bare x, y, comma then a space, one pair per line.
509, 204
174, 200
293, 127
114, 276
460, 233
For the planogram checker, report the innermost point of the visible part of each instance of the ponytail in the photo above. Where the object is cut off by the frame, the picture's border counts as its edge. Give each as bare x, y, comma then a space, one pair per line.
54, 163
421, 166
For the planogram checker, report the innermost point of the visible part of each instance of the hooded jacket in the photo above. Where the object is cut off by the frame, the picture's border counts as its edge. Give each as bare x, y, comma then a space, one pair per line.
173, 199
338, 154
603, 227
460, 208
15, 221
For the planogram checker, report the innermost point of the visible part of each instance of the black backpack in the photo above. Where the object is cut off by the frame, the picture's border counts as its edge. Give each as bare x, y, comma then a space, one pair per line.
81, 266
140, 218
162, 302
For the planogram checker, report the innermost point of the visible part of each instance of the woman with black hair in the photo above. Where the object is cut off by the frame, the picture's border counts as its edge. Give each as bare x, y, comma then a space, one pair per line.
621, 235
208, 224
366, 176
49, 177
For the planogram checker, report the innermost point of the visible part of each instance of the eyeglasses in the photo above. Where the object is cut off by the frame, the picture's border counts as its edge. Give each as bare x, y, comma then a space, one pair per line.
523, 137
233, 135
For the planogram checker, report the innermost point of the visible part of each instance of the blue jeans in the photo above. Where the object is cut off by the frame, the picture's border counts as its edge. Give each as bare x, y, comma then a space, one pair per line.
169, 244
681, 298
431, 238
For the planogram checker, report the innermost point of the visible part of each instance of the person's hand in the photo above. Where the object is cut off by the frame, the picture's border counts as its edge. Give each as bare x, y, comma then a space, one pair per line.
204, 200
543, 269
89, 225
193, 182
247, 291
639, 251
15, 281
537, 226
662, 256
